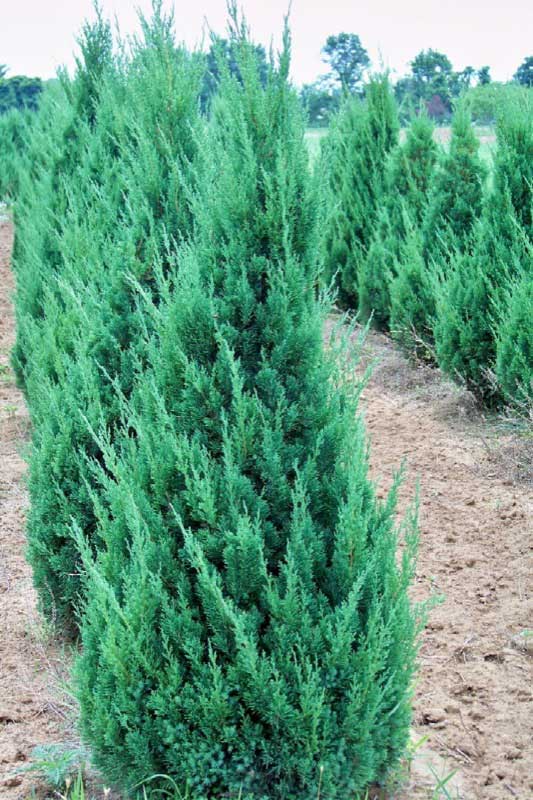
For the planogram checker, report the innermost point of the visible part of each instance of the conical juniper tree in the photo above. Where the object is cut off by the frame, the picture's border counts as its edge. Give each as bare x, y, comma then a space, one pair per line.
353, 165
116, 231
472, 297
36, 257
457, 195
513, 163
247, 631
407, 184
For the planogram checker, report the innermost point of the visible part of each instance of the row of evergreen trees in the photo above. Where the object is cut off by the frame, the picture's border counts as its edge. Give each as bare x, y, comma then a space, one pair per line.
431, 246
201, 512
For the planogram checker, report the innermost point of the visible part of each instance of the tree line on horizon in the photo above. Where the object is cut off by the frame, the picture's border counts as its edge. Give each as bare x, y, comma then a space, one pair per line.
431, 83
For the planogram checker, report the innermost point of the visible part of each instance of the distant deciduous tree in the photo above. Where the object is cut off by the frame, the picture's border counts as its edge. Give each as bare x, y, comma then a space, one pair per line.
462, 80
18, 92
320, 101
524, 73
431, 71
347, 58
483, 76
430, 83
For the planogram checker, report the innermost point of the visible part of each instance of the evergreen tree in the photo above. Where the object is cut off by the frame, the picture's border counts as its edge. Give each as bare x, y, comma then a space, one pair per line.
474, 297
470, 293
513, 163
353, 171
36, 258
408, 181
86, 347
457, 194
247, 631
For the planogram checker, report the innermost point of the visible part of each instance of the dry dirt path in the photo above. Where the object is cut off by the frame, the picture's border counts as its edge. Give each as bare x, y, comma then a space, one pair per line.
474, 690
30, 712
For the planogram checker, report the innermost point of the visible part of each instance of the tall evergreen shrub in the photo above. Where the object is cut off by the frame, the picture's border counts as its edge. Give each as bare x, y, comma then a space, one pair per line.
247, 631
407, 185
513, 167
45, 201
116, 231
354, 160
474, 297
457, 194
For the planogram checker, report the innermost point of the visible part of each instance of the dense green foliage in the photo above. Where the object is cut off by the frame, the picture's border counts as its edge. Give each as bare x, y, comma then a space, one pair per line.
514, 342
433, 251
222, 50
200, 501
457, 192
201, 510
14, 139
487, 103
408, 180
354, 157
123, 190
248, 631
473, 301
412, 299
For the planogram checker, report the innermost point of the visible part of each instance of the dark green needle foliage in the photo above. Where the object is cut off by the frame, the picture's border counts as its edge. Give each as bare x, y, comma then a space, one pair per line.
513, 167
247, 631
412, 172
407, 185
514, 343
472, 296
14, 135
412, 299
353, 167
116, 231
457, 195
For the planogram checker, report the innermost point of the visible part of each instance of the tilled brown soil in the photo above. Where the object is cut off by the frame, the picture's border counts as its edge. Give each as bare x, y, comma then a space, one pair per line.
474, 690
474, 696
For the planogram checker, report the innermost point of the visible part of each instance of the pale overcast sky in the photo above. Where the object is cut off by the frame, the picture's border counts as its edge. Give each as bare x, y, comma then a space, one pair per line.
36, 36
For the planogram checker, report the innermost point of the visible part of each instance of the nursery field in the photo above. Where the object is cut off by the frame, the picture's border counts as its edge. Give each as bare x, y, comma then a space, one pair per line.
265, 426
473, 705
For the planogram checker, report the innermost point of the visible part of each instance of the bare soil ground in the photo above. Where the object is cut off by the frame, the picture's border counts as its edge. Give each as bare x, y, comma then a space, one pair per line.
474, 696
474, 690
